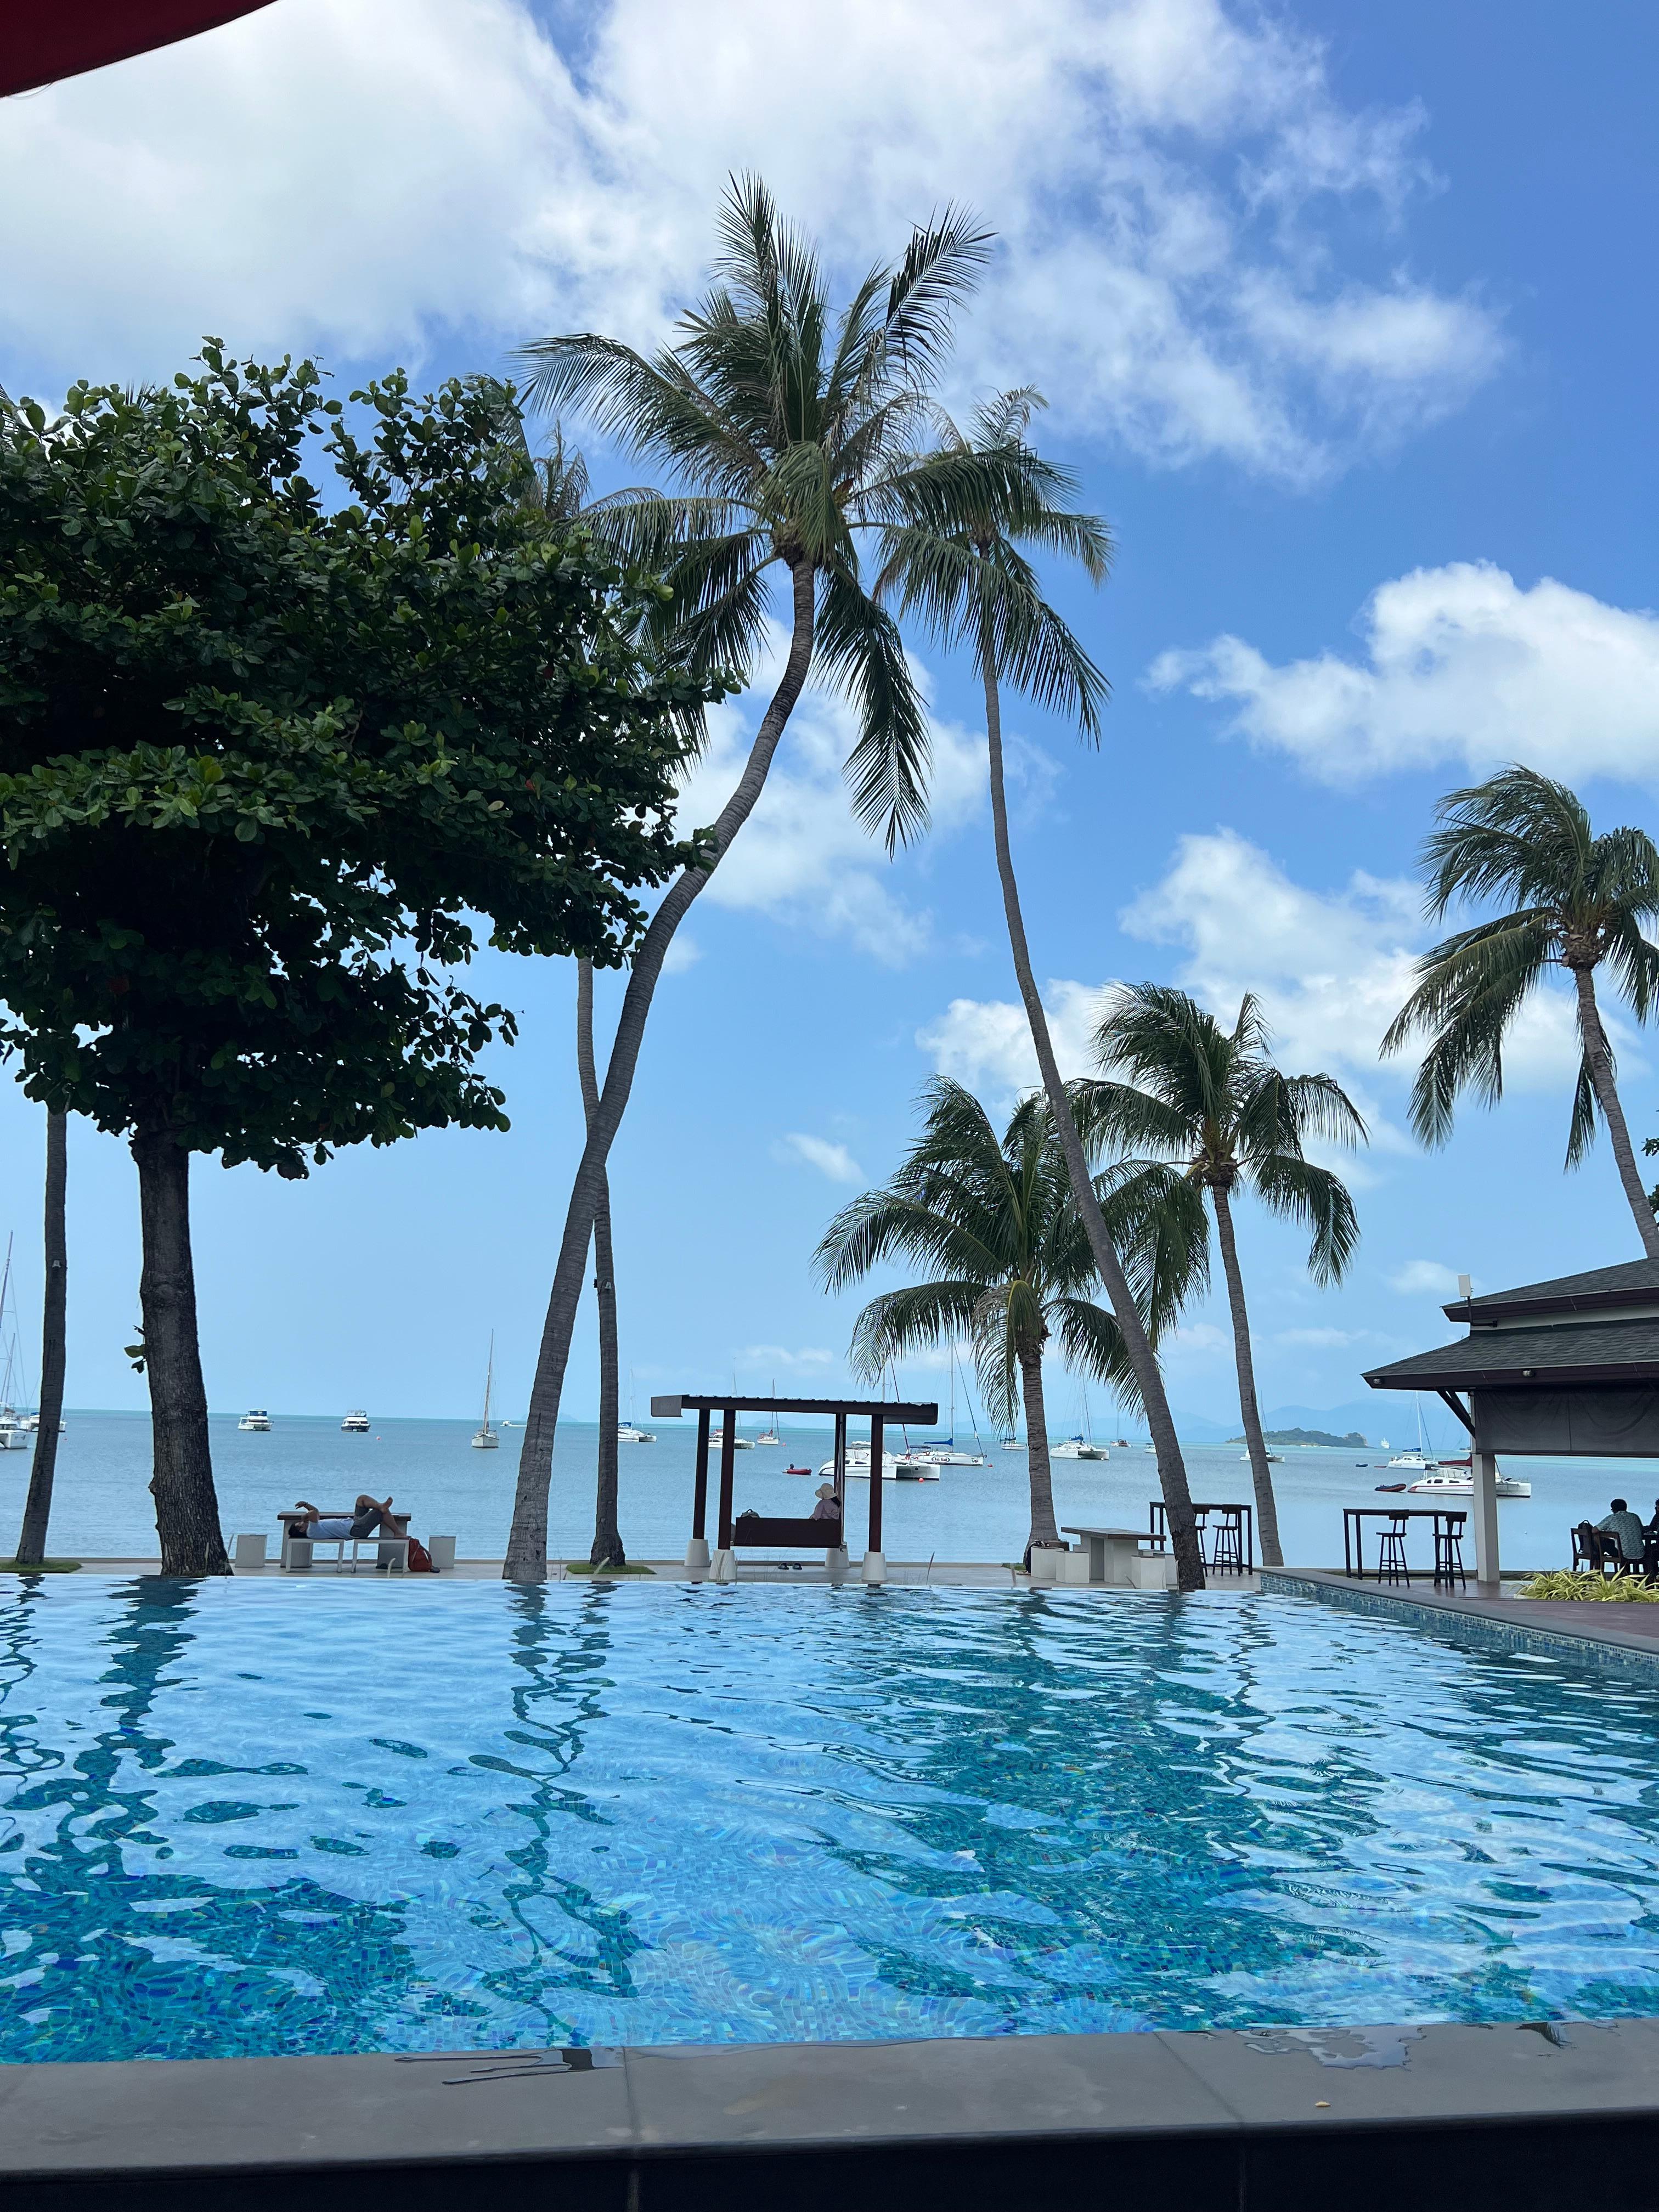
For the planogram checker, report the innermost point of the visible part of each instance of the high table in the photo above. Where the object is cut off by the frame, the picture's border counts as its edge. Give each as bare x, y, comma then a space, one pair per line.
1160, 1535
1353, 1562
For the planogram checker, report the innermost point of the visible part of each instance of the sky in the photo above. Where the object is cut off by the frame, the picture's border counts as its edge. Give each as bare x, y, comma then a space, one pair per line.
1340, 325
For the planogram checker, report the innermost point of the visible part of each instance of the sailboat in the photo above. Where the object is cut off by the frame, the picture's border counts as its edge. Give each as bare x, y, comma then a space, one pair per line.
486, 1439
941, 1451
627, 1432
13, 1435
768, 1435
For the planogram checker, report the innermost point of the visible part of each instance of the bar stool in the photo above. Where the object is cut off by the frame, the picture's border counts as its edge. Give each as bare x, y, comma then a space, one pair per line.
1228, 1550
1448, 1551
1391, 1553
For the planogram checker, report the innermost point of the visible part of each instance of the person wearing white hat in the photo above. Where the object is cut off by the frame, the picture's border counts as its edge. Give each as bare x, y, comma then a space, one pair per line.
826, 1509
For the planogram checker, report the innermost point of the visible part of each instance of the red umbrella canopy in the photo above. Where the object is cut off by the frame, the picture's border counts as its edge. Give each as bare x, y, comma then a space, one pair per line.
41, 43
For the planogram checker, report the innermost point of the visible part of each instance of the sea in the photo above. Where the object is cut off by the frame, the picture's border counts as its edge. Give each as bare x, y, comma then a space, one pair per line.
102, 1508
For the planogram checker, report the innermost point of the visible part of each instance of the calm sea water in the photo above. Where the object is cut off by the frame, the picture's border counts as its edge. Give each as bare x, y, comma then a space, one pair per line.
103, 1506
257, 1818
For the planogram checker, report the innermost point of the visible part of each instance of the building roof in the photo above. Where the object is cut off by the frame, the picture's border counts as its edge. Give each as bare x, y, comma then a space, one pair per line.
1601, 1289
1587, 1351
734, 1402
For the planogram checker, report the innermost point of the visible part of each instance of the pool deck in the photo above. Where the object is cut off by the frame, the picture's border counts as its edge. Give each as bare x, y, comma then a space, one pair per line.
1498, 2118
1624, 1635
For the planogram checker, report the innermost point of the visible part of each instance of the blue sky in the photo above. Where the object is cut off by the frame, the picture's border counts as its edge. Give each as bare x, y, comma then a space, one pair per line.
1339, 323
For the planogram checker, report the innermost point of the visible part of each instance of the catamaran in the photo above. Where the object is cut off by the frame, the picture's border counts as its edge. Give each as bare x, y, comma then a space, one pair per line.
1456, 1479
486, 1439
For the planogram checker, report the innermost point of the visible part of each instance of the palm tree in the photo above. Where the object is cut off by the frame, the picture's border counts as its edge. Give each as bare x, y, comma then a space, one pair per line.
790, 430
1579, 902
607, 1549
1211, 1101
996, 1218
964, 568
37, 1506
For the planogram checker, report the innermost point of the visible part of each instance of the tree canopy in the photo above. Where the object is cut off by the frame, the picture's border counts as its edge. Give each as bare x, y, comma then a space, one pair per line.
268, 752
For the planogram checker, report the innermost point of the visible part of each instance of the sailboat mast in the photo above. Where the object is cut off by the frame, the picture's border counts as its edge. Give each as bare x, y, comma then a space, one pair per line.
489, 1377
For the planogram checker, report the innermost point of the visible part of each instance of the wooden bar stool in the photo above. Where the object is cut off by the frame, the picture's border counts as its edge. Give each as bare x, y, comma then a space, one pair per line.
1448, 1552
1391, 1565
1227, 1552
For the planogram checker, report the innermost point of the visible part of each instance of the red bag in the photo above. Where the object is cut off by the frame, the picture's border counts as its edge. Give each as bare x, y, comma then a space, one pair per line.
420, 1560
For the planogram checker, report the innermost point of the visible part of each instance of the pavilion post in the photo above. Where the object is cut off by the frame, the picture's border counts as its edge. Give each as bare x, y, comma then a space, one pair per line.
696, 1551
875, 1566
1483, 1471
725, 1564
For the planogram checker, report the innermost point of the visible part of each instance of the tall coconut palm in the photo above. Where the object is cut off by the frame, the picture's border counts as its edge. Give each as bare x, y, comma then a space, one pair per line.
1211, 1102
995, 1217
1579, 903
790, 430
37, 1506
965, 569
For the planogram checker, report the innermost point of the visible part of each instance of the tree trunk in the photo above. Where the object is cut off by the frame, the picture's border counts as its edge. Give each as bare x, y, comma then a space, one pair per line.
1598, 1054
526, 1546
607, 1551
1043, 1531
186, 1509
1266, 1509
37, 1508
1149, 1380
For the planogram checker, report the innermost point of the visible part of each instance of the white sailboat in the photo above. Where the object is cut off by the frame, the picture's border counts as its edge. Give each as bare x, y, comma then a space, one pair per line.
942, 1451
486, 1439
769, 1439
1418, 1461
13, 1435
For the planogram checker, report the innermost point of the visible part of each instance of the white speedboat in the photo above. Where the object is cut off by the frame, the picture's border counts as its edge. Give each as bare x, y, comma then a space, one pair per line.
1273, 1459
485, 1438
355, 1423
1456, 1479
258, 1418
628, 1434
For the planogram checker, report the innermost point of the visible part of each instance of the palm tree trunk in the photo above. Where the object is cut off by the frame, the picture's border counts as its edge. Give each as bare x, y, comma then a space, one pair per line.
607, 1551
1599, 1055
1043, 1531
1266, 1510
526, 1545
1149, 1380
186, 1507
36, 1507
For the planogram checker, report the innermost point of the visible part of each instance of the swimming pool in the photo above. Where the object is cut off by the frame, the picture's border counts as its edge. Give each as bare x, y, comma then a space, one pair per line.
262, 1818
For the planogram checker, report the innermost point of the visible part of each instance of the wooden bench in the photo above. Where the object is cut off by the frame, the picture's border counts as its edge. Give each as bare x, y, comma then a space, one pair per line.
395, 1551
752, 1530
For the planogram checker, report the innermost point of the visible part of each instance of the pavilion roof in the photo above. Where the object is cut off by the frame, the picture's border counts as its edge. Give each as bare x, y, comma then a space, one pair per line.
735, 1401
1609, 1350
1600, 1290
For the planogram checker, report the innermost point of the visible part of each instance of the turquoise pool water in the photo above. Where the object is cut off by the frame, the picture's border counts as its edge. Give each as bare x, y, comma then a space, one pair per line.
270, 1819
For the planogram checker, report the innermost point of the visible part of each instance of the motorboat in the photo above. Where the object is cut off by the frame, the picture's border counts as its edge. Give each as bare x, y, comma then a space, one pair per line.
484, 1437
798, 1470
1456, 1479
1273, 1459
355, 1423
628, 1434
258, 1419
717, 1438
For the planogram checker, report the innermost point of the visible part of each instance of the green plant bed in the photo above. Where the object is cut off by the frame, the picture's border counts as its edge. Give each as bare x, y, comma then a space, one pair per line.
1619, 1590
586, 1567
45, 1567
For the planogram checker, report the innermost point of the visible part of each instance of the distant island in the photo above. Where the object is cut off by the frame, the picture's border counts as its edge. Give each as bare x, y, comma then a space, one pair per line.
1308, 1436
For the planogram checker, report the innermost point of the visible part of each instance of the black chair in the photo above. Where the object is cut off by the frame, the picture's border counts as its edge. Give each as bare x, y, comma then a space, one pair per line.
1391, 1565
1227, 1552
1448, 1552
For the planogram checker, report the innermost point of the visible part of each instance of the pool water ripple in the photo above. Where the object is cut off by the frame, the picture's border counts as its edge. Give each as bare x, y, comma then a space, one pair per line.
246, 1819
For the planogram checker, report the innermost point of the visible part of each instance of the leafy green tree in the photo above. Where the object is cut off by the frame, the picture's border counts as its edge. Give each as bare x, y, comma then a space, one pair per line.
1573, 902
1211, 1102
996, 1220
790, 431
264, 755
964, 563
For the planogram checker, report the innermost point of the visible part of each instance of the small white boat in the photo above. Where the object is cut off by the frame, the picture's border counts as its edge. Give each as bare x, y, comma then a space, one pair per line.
258, 1418
355, 1423
1067, 1448
486, 1439
857, 1467
628, 1434
1274, 1459
1413, 1462
717, 1438
1456, 1479
1011, 1444
942, 1452
769, 1438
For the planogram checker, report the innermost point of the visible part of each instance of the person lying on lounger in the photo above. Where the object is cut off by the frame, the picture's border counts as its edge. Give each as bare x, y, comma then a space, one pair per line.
369, 1517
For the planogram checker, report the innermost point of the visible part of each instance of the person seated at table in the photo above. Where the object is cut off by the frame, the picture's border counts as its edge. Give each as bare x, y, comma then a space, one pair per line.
1624, 1534
826, 1509
1651, 1546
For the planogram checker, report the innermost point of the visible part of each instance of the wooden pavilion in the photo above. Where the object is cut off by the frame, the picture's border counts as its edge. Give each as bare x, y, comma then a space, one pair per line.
1569, 1368
752, 1530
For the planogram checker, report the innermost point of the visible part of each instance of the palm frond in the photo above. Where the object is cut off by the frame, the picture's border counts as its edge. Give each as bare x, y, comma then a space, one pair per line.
862, 653
1581, 1131
1314, 1198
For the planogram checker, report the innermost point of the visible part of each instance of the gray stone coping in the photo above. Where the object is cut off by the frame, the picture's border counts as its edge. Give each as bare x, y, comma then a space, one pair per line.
1494, 1623
1512, 2114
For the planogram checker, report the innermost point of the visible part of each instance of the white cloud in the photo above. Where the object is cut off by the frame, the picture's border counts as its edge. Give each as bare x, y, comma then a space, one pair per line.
1424, 1279
985, 1043
1460, 665
801, 856
1197, 1340
832, 1160
683, 954
771, 1356
1200, 247
1320, 1339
